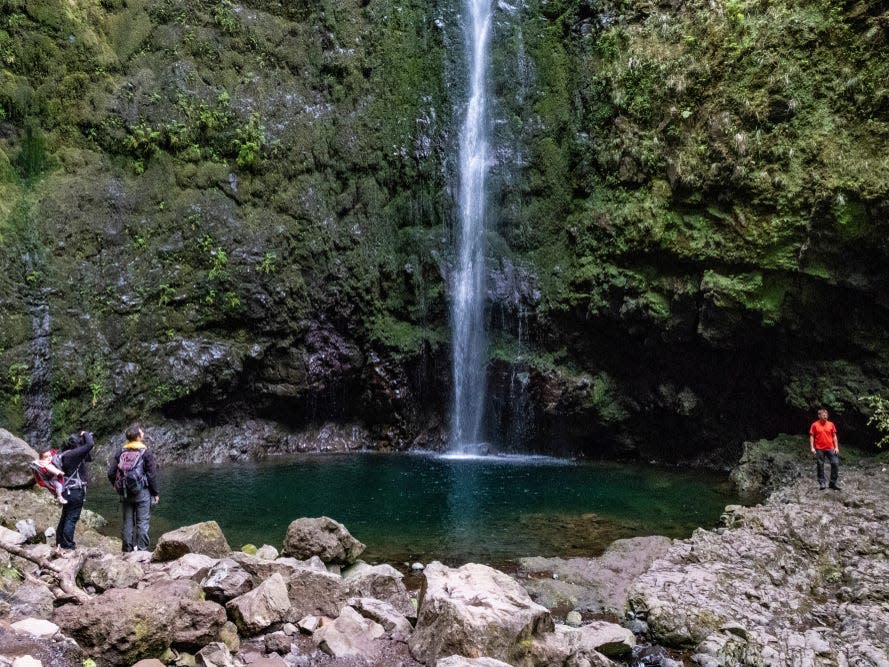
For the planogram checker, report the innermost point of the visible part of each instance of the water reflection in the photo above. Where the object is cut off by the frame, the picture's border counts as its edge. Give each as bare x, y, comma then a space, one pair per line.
407, 507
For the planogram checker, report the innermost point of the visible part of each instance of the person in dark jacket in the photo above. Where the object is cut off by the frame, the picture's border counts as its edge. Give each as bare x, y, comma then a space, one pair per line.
136, 504
76, 453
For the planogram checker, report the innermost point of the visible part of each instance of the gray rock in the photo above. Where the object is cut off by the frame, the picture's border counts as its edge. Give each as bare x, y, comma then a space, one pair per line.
202, 538
165, 613
261, 607
15, 455
350, 635
110, 572
35, 627
278, 642
594, 585
215, 654
314, 593
267, 552
189, 566
322, 537
31, 599
382, 582
593, 642
396, 625
747, 593
26, 528
474, 610
573, 619
13, 537
460, 661
226, 580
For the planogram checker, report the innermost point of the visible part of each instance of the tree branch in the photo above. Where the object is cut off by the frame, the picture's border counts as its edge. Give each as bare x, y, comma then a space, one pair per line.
66, 575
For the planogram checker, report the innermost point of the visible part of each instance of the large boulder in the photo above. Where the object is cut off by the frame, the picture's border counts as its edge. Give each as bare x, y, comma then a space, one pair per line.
201, 538
226, 580
314, 593
110, 571
259, 608
396, 625
591, 642
382, 582
121, 626
350, 635
15, 455
475, 610
595, 585
322, 537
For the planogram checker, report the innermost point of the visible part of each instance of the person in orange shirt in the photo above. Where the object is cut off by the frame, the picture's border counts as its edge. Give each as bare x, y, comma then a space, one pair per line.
825, 447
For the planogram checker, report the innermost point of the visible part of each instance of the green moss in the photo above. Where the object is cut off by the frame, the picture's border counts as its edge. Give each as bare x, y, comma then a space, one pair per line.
403, 336
752, 291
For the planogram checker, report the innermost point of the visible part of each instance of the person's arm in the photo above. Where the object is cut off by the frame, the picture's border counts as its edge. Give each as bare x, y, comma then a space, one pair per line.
151, 475
836, 441
112, 467
812, 438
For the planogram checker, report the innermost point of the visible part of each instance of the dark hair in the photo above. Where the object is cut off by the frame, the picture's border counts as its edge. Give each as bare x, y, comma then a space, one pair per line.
74, 440
132, 432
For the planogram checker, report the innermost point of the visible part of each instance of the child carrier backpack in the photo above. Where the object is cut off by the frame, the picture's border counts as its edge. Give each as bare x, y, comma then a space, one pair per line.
44, 477
130, 477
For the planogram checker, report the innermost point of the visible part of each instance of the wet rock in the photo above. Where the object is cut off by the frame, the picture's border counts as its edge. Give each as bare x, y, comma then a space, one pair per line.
474, 610
15, 455
322, 537
203, 538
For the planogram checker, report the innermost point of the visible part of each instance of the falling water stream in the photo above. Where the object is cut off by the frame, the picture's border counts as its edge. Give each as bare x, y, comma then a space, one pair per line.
467, 310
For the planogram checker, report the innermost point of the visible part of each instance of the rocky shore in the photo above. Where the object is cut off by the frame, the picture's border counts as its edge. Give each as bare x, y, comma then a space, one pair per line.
797, 580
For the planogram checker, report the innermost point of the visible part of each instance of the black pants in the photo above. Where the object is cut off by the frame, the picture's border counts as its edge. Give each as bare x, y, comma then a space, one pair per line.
70, 516
822, 455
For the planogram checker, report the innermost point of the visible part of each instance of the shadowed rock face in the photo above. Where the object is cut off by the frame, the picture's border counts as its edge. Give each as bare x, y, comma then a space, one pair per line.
237, 218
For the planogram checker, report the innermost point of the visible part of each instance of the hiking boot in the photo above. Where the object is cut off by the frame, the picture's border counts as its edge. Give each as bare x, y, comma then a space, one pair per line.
836, 487
821, 487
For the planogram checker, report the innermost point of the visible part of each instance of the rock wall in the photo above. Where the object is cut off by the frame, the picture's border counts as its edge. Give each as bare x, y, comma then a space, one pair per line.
228, 212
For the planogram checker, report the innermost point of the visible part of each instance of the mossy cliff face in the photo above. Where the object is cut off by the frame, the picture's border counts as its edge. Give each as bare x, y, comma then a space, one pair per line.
243, 209
705, 208
230, 209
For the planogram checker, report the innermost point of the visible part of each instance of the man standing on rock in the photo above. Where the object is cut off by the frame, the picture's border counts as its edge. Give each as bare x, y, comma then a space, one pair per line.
133, 473
825, 447
76, 453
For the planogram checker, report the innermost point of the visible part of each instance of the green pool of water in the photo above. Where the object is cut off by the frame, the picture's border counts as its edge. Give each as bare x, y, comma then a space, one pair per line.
424, 507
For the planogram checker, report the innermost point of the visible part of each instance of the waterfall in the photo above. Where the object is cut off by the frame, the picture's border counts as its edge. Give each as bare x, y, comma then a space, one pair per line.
468, 289
37, 401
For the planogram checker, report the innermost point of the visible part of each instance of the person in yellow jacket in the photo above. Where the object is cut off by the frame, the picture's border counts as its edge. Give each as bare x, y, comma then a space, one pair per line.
133, 472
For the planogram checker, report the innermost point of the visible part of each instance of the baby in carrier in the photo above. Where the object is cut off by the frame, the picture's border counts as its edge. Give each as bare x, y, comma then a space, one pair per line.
48, 474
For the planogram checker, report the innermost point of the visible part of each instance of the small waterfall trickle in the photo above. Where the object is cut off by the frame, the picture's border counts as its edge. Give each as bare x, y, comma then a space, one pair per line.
37, 400
468, 289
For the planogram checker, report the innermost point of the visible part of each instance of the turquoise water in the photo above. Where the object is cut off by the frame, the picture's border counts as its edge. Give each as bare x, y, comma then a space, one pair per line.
423, 507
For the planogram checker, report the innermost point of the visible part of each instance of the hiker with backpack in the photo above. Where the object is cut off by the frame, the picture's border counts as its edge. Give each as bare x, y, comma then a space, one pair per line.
133, 473
72, 460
